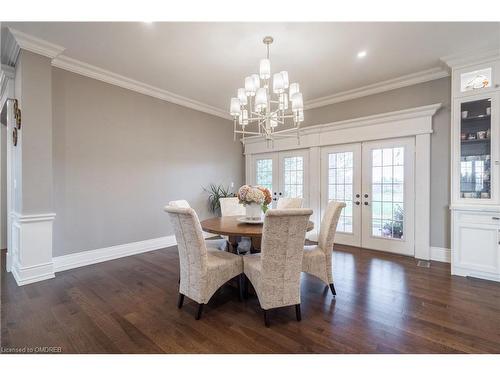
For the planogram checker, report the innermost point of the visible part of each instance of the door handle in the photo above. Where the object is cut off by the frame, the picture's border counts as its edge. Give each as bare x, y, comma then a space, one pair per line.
366, 195
366, 203
357, 203
495, 218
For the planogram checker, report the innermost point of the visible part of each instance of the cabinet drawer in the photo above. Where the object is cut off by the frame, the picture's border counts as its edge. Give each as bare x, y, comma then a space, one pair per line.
482, 218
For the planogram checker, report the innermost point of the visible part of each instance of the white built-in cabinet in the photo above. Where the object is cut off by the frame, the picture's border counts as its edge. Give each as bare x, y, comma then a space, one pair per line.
475, 176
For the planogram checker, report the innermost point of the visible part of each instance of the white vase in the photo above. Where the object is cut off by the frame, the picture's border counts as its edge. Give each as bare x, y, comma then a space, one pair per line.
253, 211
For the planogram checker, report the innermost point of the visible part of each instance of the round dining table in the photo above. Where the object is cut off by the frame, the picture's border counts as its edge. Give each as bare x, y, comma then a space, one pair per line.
234, 229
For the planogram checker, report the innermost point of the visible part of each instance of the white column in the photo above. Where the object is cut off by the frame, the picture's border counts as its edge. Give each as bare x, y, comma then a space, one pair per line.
422, 195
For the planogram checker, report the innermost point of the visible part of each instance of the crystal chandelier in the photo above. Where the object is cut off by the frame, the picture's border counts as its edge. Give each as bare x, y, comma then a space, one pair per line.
268, 105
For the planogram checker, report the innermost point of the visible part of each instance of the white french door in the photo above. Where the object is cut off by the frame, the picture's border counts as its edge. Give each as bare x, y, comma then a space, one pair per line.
388, 193
376, 181
285, 174
341, 181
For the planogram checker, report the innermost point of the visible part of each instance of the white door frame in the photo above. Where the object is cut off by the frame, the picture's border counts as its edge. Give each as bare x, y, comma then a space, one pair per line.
413, 122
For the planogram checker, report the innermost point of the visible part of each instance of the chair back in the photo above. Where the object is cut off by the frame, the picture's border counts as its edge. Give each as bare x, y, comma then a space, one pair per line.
192, 250
180, 203
328, 225
282, 249
286, 203
231, 207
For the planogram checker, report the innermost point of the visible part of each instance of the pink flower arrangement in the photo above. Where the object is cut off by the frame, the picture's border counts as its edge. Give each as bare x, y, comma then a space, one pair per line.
248, 194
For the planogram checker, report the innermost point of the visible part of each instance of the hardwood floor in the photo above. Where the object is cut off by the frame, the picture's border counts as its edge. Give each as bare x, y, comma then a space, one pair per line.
384, 304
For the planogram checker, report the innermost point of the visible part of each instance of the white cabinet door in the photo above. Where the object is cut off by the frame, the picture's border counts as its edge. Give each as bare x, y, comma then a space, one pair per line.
341, 181
388, 196
476, 249
476, 145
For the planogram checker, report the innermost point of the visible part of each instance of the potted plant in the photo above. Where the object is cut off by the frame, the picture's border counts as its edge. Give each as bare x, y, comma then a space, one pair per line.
215, 193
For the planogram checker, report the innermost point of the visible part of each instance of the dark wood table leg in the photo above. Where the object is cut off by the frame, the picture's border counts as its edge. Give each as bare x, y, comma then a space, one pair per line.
255, 247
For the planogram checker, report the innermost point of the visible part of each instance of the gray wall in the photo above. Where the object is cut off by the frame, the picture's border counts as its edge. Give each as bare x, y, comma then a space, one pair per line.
36, 133
120, 156
438, 91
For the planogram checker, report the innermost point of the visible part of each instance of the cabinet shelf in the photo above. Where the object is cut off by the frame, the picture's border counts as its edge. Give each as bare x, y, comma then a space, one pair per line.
476, 118
483, 140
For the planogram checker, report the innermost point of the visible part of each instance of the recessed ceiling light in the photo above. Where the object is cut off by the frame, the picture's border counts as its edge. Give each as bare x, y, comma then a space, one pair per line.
361, 54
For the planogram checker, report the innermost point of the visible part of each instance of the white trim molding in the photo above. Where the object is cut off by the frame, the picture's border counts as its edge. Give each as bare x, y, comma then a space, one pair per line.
85, 258
404, 123
376, 88
31, 256
35, 45
440, 254
474, 57
107, 76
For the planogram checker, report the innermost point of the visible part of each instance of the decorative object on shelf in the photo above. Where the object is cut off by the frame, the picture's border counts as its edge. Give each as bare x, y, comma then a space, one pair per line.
488, 111
268, 105
463, 136
17, 114
256, 200
481, 134
14, 136
464, 114
478, 82
471, 136
485, 195
488, 133
215, 192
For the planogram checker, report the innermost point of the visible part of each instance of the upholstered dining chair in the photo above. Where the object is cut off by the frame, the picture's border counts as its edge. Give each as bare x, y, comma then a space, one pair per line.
318, 258
203, 270
286, 203
275, 272
231, 206
219, 243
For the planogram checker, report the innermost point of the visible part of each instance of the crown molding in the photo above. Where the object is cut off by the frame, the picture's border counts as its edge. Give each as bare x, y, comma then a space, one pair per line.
35, 45
379, 118
391, 84
471, 57
79, 67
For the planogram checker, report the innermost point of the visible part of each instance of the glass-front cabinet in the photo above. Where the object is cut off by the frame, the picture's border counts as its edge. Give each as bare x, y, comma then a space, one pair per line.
478, 149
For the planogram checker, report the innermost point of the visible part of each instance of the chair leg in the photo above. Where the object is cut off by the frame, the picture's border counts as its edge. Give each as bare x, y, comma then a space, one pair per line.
200, 310
241, 287
245, 286
297, 312
180, 301
266, 318
332, 288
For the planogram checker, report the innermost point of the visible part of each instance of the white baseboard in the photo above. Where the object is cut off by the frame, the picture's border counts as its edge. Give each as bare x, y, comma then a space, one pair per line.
32, 274
441, 254
85, 258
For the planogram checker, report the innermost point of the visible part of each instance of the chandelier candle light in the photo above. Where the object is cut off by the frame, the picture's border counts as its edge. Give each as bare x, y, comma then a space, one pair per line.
269, 105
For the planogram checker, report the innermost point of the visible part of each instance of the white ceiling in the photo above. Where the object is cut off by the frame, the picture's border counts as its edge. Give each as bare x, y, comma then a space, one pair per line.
207, 62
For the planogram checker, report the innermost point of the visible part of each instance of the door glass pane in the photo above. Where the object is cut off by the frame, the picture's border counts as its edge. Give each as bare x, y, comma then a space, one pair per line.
264, 171
475, 149
293, 177
340, 180
387, 192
